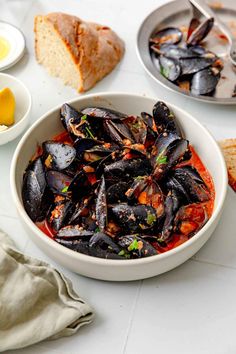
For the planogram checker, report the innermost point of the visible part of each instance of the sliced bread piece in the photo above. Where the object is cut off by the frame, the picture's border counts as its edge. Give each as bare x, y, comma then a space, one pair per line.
228, 147
80, 53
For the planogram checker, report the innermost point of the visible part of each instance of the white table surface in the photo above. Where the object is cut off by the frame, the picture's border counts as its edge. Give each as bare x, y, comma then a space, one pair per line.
189, 310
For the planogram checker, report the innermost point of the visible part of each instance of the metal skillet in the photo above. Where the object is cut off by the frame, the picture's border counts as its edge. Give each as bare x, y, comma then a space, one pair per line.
178, 14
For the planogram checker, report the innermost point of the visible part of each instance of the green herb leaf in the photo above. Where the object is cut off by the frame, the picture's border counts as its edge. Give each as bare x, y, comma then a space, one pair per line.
151, 218
133, 246
90, 133
121, 253
161, 159
84, 117
164, 72
97, 229
65, 189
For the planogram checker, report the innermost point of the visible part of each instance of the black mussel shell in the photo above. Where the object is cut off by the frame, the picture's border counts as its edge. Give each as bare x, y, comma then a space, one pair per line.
103, 246
116, 192
200, 32
177, 52
172, 204
58, 156
165, 119
136, 246
169, 35
105, 113
192, 183
68, 115
101, 206
58, 217
169, 68
78, 245
34, 190
205, 81
134, 218
190, 218
58, 182
73, 232
192, 65
126, 169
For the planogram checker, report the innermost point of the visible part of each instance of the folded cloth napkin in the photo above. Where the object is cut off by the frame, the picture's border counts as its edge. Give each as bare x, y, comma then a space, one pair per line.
37, 302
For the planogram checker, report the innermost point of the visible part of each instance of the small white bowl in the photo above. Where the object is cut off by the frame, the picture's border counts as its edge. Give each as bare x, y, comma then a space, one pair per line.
23, 107
108, 269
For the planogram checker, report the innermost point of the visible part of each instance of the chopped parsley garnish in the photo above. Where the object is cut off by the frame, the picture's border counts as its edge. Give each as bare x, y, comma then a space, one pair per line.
90, 133
65, 189
84, 117
151, 218
133, 246
164, 71
121, 253
161, 159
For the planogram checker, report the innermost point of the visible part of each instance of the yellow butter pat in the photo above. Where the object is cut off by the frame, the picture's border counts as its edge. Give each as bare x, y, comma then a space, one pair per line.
7, 107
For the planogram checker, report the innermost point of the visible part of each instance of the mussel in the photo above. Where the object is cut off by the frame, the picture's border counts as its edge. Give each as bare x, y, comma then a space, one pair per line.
136, 246
205, 81
34, 191
167, 35
134, 218
169, 68
58, 156
200, 32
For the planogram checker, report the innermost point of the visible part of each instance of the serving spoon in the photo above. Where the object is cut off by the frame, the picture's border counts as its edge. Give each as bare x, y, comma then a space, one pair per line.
200, 7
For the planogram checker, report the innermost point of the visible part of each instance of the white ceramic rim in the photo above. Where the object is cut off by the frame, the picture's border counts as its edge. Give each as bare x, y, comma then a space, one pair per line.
15, 125
116, 262
15, 59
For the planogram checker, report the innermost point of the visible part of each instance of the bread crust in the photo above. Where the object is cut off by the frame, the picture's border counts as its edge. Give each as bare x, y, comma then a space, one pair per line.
95, 49
228, 147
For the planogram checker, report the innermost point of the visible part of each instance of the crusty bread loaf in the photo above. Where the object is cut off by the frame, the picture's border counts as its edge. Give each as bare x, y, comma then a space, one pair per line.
81, 53
228, 147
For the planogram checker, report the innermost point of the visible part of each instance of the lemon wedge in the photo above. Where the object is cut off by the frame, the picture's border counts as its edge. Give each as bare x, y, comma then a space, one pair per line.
7, 107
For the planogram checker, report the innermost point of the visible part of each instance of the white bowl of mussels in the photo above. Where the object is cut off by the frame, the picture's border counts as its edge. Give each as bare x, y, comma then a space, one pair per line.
117, 186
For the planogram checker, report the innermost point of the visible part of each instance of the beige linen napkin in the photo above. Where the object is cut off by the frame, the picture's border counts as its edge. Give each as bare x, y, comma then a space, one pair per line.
36, 301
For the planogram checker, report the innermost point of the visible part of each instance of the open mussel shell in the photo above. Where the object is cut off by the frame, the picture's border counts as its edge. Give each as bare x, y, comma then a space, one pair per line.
134, 218
136, 246
58, 156
190, 218
165, 119
169, 68
172, 204
69, 115
200, 32
104, 113
192, 183
80, 186
61, 212
102, 246
194, 23
205, 81
170, 35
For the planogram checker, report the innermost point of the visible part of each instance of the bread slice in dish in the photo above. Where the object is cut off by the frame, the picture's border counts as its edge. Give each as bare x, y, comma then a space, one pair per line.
228, 147
80, 53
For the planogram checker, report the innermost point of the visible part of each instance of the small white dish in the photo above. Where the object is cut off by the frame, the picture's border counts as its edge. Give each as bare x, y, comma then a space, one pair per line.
22, 110
16, 41
50, 125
